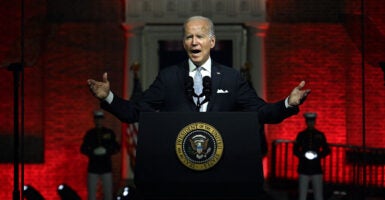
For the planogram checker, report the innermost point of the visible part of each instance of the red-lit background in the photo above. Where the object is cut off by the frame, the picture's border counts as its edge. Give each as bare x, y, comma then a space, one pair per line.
64, 55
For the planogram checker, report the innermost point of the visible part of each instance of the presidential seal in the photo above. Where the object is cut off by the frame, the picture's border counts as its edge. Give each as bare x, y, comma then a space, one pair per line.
199, 146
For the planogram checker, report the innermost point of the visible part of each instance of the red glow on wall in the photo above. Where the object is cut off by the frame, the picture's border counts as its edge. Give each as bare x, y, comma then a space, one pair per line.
59, 105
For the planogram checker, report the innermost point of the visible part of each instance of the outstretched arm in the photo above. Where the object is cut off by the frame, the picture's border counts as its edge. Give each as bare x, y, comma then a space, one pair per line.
298, 95
99, 89
125, 110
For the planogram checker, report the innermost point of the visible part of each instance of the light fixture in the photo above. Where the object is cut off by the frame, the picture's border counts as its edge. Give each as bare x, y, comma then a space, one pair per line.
30, 193
126, 193
67, 193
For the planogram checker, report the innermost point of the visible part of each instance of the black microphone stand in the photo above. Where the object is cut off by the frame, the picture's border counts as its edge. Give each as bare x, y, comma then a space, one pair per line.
198, 104
18, 80
17, 69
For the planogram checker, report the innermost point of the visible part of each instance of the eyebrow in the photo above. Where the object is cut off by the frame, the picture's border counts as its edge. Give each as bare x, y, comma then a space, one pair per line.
198, 35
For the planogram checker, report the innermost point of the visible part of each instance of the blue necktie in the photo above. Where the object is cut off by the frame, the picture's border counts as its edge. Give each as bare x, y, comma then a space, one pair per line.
198, 84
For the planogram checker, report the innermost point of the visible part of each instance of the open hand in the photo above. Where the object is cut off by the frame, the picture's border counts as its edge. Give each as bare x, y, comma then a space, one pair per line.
99, 89
298, 95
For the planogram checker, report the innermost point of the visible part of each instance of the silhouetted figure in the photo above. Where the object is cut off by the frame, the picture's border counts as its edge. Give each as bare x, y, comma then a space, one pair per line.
310, 147
99, 144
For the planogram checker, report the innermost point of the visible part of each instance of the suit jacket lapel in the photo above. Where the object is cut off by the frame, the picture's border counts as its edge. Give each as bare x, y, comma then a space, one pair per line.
216, 78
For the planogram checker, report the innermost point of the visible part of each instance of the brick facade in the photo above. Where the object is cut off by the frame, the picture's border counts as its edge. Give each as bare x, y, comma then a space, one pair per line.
59, 105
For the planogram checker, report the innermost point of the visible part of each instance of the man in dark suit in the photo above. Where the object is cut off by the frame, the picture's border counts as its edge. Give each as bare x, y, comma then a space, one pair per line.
170, 92
225, 89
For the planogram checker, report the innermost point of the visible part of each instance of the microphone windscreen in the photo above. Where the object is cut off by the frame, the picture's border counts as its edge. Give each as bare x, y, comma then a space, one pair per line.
206, 82
206, 87
188, 86
188, 82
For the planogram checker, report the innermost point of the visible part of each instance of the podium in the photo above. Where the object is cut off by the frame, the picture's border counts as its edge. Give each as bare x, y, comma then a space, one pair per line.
163, 171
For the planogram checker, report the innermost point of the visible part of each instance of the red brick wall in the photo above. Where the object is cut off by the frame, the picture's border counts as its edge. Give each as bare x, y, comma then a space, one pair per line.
329, 59
76, 53
71, 52
320, 54
375, 83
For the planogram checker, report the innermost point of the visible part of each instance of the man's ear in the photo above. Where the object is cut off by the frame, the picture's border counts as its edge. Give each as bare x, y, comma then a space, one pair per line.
212, 41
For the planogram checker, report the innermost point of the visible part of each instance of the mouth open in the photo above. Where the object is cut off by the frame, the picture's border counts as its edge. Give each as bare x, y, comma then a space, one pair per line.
195, 51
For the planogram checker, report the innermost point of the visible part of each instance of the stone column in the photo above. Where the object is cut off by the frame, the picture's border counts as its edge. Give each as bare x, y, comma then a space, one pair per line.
256, 55
133, 53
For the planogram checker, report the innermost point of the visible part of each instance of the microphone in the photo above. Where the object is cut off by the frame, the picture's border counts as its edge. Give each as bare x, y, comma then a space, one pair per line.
189, 87
206, 92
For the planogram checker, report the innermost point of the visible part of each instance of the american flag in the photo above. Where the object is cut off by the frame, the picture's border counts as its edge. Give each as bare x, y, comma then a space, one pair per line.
131, 140
130, 131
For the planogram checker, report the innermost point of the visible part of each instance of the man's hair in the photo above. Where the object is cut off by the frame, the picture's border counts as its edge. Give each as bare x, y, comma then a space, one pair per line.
209, 22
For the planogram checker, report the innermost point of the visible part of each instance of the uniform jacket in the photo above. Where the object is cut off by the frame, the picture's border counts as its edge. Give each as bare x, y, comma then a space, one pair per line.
310, 140
94, 138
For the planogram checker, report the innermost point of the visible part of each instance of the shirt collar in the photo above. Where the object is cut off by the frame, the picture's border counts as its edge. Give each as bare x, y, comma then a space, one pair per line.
206, 66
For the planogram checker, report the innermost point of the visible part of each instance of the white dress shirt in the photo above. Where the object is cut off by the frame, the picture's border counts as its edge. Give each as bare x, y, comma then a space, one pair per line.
206, 71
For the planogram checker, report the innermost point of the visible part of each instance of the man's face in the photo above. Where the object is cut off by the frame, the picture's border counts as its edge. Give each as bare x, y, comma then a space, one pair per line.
310, 123
197, 41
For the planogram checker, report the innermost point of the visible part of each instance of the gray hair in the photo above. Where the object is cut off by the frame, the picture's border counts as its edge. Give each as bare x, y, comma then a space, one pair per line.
209, 21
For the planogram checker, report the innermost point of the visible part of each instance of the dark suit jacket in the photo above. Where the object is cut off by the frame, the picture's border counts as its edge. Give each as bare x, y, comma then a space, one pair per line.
229, 92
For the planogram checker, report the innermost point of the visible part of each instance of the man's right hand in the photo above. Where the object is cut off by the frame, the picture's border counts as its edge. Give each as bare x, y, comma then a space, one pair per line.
99, 89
